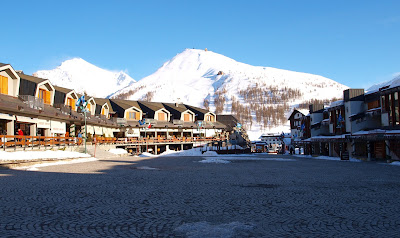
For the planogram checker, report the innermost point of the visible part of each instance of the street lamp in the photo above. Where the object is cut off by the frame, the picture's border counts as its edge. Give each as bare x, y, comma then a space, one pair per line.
81, 104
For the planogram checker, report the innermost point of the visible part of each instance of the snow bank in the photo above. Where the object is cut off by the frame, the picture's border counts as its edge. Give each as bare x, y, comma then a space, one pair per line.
35, 155
118, 151
396, 163
191, 152
146, 154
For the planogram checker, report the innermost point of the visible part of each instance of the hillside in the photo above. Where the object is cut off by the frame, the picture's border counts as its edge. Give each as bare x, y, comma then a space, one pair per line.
85, 77
261, 97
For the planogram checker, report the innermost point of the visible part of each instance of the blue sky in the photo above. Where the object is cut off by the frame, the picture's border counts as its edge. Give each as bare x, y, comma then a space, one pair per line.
356, 43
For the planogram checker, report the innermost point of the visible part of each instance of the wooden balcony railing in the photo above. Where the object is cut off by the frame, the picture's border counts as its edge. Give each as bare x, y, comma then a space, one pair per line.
31, 142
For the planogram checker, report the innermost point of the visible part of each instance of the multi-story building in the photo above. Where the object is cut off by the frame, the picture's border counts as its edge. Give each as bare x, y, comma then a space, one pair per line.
363, 125
37, 107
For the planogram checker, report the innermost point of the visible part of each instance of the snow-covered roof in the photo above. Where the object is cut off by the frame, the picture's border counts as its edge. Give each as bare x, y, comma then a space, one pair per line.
376, 131
337, 103
395, 82
303, 111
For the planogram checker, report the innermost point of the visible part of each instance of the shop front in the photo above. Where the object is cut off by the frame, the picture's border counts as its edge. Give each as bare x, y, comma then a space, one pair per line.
43, 127
26, 124
5, 120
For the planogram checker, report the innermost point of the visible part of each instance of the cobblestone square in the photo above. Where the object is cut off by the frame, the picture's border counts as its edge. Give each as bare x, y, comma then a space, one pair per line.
180, 197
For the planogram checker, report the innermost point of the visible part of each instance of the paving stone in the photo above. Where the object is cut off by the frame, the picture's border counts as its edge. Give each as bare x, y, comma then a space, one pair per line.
108, 198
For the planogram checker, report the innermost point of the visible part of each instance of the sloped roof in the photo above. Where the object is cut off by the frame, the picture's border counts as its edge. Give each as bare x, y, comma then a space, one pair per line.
31, 78
176, 109
302, 111
154, 106
199, 111
63, 90
125, 104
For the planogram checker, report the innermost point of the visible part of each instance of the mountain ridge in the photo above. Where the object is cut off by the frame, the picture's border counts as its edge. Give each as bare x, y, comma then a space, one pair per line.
261, 97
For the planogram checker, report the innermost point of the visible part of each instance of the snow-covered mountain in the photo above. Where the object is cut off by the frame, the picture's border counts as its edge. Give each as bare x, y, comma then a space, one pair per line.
82, 76
204, 78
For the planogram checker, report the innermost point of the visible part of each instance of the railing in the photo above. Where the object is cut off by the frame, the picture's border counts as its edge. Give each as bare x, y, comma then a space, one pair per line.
64, 108
33, 102
136, 141
9, 141
177, 122
31, 142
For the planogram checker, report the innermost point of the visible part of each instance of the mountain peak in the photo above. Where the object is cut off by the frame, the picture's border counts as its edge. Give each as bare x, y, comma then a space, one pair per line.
83, 76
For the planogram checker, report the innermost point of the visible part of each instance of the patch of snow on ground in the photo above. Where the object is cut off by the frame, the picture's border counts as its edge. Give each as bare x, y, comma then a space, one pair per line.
146, 168
204, 229
118, 151
34, 155
191, 152
254, 158
36, 166
327, 158
210, 153
397, 163
225, 159
214, 160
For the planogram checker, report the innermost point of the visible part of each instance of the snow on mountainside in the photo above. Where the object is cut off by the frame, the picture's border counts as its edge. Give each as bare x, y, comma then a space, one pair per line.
82, 76
261, 96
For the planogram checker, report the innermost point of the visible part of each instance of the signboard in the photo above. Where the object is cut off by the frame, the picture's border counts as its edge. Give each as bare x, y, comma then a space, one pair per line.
45, 124
58, 127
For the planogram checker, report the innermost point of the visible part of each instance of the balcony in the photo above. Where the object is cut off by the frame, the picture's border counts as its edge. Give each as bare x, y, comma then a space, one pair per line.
177, 122
33, 102
67, 110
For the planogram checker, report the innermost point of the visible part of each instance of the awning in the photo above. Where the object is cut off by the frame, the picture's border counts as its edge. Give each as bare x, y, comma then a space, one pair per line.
26, 119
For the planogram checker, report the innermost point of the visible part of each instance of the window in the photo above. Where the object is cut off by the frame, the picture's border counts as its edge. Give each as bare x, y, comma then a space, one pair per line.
71, 103
187, 117
161, 116
209, 118
3, 85
45, 95
132, 115
373, 104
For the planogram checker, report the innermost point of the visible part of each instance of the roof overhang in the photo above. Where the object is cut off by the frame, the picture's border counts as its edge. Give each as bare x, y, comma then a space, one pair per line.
10, 71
